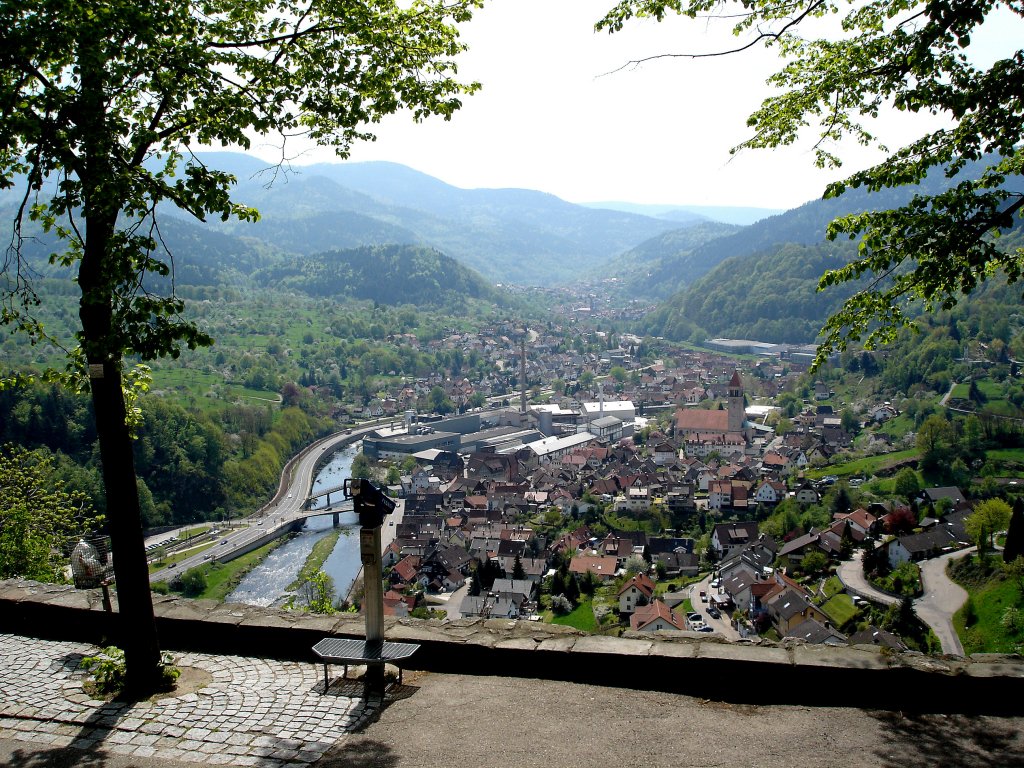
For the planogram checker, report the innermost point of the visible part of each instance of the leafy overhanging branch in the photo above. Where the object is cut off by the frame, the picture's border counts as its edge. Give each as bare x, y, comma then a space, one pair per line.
890, 55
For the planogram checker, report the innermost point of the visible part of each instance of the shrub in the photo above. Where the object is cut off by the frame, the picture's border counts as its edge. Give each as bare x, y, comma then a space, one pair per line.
561, 605
107, 669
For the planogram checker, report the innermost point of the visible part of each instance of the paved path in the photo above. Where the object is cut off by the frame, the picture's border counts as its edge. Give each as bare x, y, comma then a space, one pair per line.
851, 573
252, 712
941, 599
267, 714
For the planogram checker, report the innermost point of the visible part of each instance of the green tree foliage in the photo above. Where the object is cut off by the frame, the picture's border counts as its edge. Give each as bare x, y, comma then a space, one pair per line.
394, 476
767, 295
192, 582
102, 103
988, 517
906, 483
518, 572
935, 442
361, 466
636, 564
914, 58
384, 273
1014, 569
38, 516
318, 594
814, 562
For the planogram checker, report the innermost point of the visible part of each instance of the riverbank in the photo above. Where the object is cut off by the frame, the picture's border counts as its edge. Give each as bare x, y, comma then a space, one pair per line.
223, 578
315, 560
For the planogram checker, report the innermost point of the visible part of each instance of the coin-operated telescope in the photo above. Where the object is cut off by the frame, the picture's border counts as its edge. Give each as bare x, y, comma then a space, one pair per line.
370, 503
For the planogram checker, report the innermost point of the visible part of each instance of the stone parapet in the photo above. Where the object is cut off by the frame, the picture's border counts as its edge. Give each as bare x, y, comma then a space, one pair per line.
691, 663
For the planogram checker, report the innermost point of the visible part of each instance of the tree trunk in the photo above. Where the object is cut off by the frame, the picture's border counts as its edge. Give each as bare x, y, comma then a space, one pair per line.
136, 622
99, 276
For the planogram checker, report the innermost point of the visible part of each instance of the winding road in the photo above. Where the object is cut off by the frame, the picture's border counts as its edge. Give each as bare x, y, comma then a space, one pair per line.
941, 599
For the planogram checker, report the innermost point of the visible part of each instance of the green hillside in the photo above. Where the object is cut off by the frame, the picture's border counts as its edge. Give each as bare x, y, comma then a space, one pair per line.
659, 267
392, 274
761, 282
769, 296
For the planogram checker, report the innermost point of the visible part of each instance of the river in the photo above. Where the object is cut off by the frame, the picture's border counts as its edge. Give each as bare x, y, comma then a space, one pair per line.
267, 583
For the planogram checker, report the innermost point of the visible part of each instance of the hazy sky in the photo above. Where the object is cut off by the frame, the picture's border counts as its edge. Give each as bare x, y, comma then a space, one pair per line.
555, 115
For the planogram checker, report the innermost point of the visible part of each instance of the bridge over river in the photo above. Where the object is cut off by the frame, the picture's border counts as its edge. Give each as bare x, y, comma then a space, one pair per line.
292, 505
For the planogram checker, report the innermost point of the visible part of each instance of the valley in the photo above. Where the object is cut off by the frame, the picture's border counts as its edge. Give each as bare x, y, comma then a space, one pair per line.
315, 333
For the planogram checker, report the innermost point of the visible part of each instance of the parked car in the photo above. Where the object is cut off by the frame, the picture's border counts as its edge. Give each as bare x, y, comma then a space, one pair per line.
705, 628
694, 617
714, 613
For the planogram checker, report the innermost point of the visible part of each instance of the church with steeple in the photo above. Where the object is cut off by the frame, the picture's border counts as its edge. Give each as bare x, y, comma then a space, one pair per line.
727, 427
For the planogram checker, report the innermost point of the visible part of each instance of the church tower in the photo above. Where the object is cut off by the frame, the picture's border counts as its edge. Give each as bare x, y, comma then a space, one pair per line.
737, 412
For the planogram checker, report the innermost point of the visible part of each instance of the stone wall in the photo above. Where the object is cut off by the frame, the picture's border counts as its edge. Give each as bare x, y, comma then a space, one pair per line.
689, 663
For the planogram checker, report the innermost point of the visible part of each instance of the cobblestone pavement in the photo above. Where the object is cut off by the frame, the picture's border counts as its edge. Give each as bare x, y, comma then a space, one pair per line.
253, 712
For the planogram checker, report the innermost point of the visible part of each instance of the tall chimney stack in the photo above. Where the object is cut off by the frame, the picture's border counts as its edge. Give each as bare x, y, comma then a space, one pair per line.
522, 372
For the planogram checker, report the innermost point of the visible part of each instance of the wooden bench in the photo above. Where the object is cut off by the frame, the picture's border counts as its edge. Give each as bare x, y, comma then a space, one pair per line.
333, 650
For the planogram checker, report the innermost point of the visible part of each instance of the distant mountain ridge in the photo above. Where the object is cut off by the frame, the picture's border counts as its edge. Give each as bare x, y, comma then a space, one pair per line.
685, 214
507, 235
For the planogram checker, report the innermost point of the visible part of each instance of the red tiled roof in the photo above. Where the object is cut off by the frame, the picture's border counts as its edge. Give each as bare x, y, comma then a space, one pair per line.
647, 614
642, 582
700, 420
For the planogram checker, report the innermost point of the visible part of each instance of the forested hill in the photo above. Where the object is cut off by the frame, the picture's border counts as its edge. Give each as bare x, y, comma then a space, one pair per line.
769, 296
659, 267
388, 274
761, 282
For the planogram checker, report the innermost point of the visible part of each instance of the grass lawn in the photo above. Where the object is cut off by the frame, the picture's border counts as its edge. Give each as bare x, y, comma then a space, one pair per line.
866, 466
988, 633
898, 426
832, 587
581, 618
1006, 455
840, 609
199, 382
222, 578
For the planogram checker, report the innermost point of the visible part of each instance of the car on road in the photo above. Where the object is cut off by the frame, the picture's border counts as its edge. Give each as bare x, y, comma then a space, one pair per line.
703, 597
223, 542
